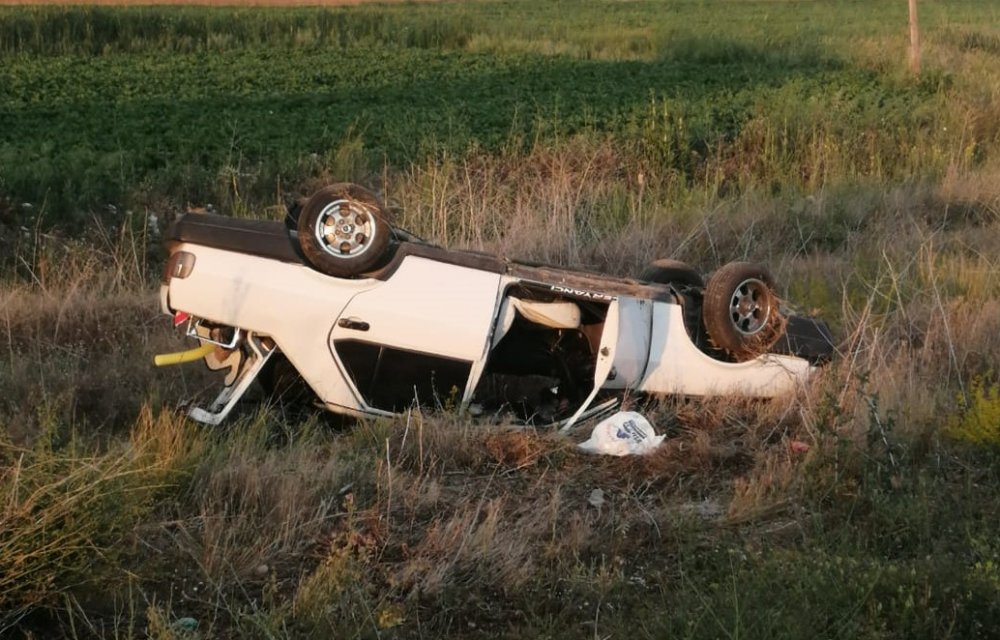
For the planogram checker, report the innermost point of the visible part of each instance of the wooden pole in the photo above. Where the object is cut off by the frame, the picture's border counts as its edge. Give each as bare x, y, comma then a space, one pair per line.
914, 39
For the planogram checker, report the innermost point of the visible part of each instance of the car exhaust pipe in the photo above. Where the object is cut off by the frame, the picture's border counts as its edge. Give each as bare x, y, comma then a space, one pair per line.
180, 357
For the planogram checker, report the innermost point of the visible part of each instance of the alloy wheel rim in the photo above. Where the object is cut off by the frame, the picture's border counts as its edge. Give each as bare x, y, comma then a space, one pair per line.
345, 228
750, 306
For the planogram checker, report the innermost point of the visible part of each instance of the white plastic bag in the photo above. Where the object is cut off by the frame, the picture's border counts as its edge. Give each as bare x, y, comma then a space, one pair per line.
623, 434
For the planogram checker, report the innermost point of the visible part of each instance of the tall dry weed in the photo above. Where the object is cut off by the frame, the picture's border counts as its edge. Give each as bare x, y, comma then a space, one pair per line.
68, 516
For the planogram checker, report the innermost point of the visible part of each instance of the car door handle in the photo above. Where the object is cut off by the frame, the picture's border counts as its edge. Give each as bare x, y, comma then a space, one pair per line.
353, 323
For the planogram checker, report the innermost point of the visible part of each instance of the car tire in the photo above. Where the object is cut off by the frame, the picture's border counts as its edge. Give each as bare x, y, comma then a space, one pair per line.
344, 230
667, 271
740, 310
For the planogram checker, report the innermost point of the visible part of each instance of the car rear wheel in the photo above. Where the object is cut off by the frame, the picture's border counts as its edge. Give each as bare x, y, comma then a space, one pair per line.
740, 310
667, 271
344, 230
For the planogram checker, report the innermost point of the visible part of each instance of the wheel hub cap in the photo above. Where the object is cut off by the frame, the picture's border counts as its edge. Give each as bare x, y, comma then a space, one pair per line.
345, 228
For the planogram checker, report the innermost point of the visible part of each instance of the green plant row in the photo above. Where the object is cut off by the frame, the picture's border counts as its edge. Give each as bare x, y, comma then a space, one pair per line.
125, 106
81, 133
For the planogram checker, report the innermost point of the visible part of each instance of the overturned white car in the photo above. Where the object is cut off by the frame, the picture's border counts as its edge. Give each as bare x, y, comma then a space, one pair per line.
375, 320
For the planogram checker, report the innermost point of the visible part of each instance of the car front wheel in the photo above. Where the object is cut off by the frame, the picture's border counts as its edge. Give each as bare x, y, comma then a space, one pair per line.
740, 310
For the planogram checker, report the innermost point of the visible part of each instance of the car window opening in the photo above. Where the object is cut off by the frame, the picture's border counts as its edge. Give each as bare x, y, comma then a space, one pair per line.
541, 366
394, 379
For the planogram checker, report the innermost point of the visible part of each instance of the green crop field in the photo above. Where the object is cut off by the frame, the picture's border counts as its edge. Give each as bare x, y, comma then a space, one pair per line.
594, 134
103, 106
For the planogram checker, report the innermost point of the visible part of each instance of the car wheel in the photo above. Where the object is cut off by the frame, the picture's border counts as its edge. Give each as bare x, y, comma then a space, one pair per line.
740, 310
344, 230
667, 271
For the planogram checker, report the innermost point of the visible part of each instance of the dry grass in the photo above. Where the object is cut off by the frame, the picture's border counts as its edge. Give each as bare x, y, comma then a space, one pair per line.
67, 511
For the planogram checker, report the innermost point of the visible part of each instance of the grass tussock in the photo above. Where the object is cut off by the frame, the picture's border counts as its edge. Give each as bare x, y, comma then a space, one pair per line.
69, 514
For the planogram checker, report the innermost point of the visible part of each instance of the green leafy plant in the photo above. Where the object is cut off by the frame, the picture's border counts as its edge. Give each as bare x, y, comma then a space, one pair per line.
978, 420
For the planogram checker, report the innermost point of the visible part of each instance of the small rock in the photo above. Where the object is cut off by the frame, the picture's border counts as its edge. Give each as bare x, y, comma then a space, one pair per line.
261, 570
184, 625
596, 499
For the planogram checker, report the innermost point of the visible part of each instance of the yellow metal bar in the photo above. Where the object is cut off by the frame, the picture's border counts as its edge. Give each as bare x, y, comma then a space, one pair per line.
180, 357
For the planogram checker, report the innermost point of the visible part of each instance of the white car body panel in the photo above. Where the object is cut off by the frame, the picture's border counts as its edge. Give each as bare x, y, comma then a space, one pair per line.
428, 307
677, 366
632, 348
289, 302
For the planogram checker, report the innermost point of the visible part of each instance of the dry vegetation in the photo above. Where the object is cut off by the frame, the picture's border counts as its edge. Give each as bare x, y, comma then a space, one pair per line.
430, 525
864, 507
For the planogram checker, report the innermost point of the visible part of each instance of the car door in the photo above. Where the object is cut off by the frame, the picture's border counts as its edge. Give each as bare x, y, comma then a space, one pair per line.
416, 337
606, 352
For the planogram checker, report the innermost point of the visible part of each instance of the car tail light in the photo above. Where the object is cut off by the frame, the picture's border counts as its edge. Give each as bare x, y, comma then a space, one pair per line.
180, 264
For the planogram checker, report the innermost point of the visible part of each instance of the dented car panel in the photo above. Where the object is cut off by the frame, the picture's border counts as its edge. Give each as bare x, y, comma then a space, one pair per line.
442, 328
